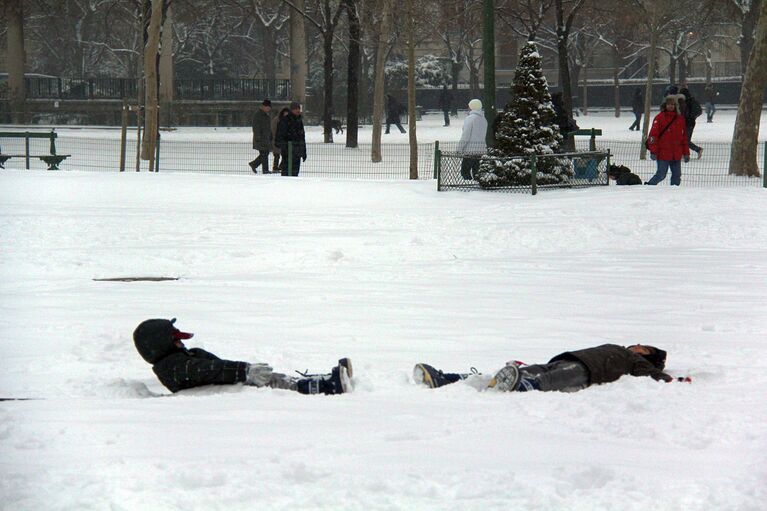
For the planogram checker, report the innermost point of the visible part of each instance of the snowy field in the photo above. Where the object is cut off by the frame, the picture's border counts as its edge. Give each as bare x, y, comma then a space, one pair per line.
300, 272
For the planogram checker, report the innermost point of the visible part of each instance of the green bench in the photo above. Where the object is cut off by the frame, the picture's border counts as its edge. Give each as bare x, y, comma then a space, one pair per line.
52, 160
593, 133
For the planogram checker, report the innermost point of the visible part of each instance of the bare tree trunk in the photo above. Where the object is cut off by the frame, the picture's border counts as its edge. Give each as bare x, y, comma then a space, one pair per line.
298, 53
564, 68
327, 108
353, 73
269, 41
150, 73
672, 70
166, 67
585, 99
616, 83
648, 88
709, 70
455, 70
411, 110
746, 41
14, 16
743, 155
378, 88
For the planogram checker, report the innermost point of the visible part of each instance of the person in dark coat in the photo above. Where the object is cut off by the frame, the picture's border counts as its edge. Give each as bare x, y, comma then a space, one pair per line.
262, 137
445, 103
691, 110
177, 367
567, 372
291, 130
711, 95
275, 148
667, 142
637, 106
393, 111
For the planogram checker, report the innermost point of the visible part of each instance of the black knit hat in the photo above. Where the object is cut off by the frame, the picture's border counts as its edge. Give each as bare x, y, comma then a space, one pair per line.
266, 102
657, 357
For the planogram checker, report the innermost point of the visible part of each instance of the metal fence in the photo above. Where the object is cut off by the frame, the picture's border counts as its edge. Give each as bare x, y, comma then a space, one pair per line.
228, 89
99, 150
710, 170
224, 157
456, 171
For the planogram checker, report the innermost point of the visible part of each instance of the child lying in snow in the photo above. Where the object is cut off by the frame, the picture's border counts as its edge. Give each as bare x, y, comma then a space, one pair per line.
160, 344
567, 372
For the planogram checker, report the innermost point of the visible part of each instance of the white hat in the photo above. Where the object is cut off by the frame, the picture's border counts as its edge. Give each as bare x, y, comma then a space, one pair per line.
475, 104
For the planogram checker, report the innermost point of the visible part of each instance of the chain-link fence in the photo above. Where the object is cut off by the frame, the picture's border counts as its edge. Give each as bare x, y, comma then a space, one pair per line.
95, 151
216, 152
710, 170
522, 174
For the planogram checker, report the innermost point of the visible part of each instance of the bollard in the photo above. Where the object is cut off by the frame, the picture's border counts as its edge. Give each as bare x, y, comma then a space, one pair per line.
534, 174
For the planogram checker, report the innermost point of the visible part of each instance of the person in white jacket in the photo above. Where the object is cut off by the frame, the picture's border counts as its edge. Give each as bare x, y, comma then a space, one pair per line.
472, 144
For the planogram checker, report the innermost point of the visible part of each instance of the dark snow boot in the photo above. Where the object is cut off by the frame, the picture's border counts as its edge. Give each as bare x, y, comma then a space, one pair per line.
337, 382
434, 378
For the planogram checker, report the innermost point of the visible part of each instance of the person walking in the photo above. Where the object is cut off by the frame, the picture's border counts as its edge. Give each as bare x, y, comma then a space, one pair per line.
445, 103
473, 143
290, 130
277, 165
567, 372
691, 110
160, 343
668, 143
262, 137
637, 106
711, 95
393, 111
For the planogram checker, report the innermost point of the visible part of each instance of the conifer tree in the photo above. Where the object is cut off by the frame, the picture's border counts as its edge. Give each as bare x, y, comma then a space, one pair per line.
527, 127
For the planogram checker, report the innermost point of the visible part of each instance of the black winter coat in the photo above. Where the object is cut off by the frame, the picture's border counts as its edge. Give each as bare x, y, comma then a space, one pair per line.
262, 131
637, 104
181, 368
609, 362
291, 129
445, 100
393, 110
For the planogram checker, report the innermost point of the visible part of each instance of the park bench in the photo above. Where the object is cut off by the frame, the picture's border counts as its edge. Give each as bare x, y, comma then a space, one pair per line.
52, 160
587, 167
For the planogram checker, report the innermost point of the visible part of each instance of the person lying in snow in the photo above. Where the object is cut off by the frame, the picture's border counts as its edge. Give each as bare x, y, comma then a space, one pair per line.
159, 342
567, 372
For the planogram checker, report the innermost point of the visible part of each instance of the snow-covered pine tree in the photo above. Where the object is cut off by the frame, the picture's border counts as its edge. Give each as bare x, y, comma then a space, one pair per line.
527, 127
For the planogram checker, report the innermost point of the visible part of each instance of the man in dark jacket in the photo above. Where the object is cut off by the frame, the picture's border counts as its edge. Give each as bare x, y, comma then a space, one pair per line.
445, 103
691, 110
567, 372
637, 106
393, 110
711, 95
291, 130
262, 137
160, 343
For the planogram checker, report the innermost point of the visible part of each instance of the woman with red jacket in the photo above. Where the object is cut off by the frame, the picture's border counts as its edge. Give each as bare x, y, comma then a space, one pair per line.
668, 142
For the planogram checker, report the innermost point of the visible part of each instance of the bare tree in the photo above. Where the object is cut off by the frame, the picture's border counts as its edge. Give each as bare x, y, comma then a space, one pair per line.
353, 73
14, 16
329, 14
524, 17
747, 15
743, 154
298, 52
566, 11
384, 25
151, 53
411, 106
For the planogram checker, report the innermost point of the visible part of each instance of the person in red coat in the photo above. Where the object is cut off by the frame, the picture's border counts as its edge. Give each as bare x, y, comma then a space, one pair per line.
668, 143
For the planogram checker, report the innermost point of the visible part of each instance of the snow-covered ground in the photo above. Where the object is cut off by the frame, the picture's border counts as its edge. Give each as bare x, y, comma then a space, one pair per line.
300, 272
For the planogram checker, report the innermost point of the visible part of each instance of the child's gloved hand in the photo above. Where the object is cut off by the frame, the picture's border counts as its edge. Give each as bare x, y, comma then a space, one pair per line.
258, 374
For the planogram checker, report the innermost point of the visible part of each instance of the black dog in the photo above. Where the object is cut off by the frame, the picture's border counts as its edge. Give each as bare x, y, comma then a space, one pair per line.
337, 125
623, 175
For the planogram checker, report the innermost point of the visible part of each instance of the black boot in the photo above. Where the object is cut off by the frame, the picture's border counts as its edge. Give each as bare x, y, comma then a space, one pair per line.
434, 378
337, 382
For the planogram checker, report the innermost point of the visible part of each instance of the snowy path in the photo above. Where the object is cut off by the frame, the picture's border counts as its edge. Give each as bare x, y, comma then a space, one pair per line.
301, 272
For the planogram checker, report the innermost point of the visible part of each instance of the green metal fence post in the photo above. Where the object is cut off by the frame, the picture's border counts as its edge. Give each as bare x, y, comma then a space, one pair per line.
436, 160
764, 167
157, 154
438, 156
593, 140
53, 143
26, 146
533, 174
290, 159
607, 169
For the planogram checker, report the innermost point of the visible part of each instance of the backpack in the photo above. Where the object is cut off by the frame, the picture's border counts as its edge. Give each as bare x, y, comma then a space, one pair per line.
694, 108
